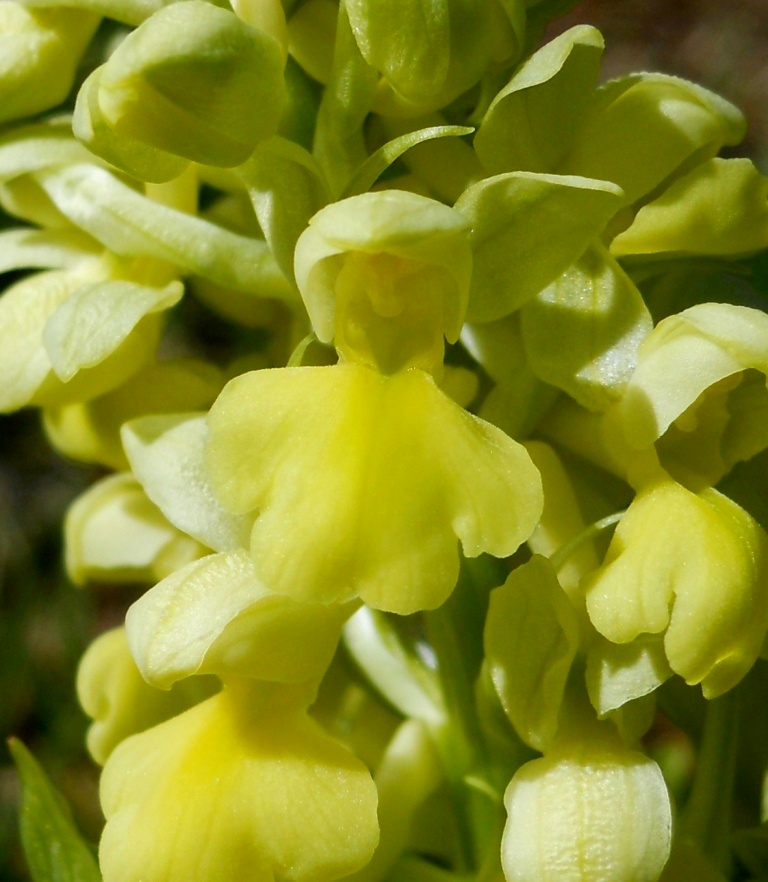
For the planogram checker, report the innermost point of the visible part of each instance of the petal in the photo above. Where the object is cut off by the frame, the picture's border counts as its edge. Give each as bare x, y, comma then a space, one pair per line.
166, 454
587, 814
113, 533
214, 616
364, 483
118, 699
243, 786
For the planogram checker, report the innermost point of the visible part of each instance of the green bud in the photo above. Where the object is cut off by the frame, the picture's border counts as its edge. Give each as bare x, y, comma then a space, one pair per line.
196, 81
429, 56
40, 50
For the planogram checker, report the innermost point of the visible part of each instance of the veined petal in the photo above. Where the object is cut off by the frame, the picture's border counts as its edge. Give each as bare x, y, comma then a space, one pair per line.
166, 453
96, 319
364, 483
241, 787
587, 814
214, 616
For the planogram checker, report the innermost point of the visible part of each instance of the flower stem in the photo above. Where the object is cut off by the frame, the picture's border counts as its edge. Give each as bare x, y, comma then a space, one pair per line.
706, 818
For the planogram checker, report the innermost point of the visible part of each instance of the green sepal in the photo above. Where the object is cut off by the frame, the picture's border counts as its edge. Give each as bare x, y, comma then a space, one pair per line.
54, 849
526, 229
533, 121
583, 332
643, 128
719, 208
287, 188
196, 81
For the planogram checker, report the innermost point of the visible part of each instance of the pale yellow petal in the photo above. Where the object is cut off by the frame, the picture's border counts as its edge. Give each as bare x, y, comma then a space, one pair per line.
364, 483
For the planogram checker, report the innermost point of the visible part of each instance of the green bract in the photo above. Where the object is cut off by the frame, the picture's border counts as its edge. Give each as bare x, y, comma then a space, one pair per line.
430, 53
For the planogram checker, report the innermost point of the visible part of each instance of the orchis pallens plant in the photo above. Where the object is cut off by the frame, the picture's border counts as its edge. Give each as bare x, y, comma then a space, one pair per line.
429, 571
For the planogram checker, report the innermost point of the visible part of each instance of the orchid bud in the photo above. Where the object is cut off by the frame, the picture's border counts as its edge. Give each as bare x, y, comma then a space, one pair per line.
40, 50
195, 81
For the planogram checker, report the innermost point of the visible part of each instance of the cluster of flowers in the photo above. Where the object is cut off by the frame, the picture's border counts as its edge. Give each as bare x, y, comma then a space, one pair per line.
387, 633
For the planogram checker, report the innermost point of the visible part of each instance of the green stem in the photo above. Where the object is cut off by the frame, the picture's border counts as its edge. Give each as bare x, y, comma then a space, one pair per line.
707, 814
461, 742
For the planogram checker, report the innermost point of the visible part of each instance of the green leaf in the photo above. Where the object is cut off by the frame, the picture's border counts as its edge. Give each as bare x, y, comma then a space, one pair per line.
582, 333
54, 849
527, 229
